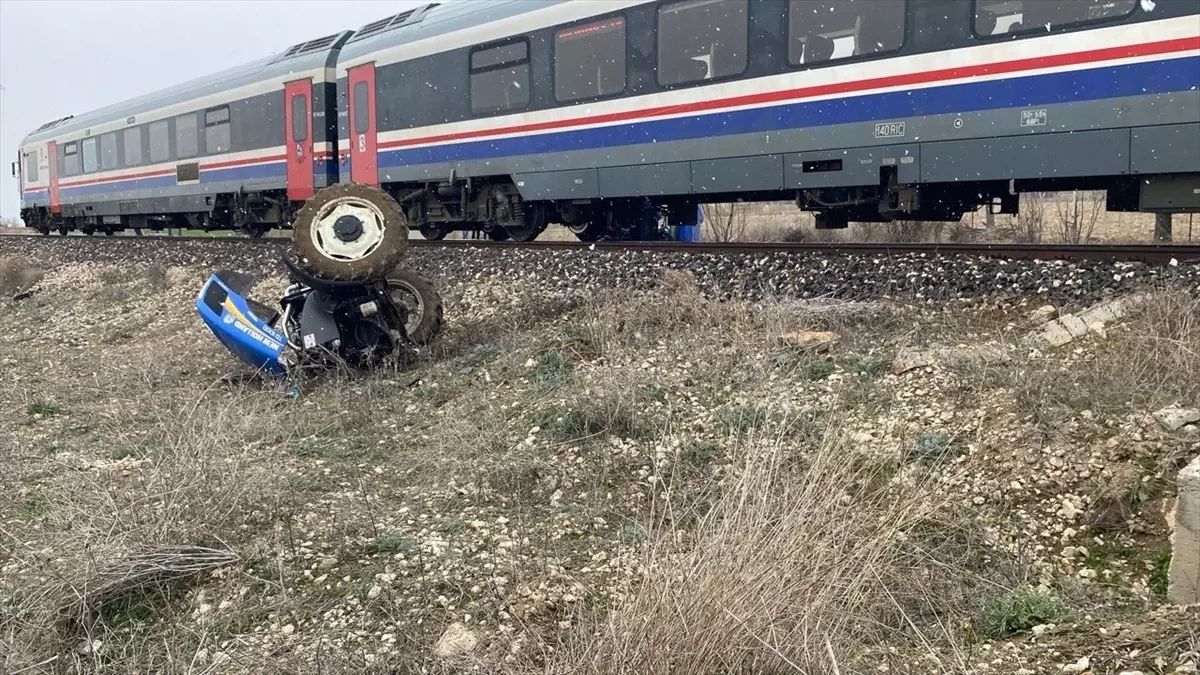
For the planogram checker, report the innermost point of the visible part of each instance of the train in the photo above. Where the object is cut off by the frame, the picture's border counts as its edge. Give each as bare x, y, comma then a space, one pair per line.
505, 117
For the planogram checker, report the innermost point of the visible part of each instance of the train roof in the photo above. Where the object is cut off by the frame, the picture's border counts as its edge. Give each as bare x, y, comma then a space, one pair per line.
308, 55
433, 20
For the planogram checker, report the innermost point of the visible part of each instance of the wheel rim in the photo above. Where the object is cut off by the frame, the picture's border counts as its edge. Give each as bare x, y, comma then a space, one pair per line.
348, 229
403, 293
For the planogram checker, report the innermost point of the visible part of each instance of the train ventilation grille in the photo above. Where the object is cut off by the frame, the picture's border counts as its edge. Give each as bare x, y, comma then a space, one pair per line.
408, 18
320, 44
51, 125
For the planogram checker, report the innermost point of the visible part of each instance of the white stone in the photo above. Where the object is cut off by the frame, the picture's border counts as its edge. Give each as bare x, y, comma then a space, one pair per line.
1172, 419
456, 641
1079, 666
375, 592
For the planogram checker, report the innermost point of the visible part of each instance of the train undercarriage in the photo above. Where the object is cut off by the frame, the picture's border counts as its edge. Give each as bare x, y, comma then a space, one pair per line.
493, 208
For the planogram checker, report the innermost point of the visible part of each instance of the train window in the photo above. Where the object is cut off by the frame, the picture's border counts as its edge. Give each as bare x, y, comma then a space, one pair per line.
90, 156
160, 141
500, 78
108, 151
186, 143
31, 167
702, 40
300, 117
70, 159
589, 61
1003, 17
133, 146
362, 115
830, 30
216, 130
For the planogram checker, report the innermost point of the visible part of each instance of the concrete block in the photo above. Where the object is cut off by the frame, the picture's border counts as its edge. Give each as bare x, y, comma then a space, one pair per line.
1184, 581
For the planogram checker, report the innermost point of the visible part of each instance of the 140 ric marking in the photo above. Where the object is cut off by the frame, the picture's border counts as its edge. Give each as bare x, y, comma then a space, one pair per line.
889, 129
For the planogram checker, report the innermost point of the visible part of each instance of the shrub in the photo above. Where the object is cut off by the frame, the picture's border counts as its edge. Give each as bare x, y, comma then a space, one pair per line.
1018, 611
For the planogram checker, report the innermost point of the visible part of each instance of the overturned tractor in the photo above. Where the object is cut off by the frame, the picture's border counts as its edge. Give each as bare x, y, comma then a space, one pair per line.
350, 301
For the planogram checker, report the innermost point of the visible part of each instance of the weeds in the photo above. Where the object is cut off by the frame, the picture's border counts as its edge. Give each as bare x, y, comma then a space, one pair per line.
42, 408
551, 371
1152, 361
17, 276
392, 542
1018, 611
765, 584
740, 419
935, 448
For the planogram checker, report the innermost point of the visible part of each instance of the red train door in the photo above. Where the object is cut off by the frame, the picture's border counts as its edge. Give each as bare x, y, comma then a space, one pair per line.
52, 156
364, 161
297, 124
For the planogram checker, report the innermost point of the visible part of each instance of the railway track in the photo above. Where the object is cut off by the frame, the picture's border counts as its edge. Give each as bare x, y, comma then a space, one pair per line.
1148, 253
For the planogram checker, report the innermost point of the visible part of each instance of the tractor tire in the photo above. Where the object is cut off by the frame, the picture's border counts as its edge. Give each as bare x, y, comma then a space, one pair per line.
424, 304
350, 232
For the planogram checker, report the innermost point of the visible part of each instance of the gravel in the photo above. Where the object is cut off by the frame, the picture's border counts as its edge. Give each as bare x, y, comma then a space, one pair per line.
921, 278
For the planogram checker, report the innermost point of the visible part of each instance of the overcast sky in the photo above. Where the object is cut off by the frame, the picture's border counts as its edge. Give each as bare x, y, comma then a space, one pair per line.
65, 57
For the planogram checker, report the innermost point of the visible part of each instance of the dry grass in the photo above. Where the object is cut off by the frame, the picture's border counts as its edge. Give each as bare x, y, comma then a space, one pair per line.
17, 276
1151, 360
1070, 217
643, 482
807, 561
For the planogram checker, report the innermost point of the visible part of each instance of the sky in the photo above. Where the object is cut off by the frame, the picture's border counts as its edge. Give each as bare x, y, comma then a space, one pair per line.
66, 57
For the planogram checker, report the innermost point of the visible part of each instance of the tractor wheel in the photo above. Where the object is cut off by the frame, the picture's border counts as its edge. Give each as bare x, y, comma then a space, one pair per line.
423, 301
350, 231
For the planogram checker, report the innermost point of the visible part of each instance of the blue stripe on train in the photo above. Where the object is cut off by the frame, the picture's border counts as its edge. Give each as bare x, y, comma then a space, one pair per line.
1158, 77
231, 173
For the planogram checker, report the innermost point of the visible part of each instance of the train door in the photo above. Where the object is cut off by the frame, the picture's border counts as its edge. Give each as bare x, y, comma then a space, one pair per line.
298, 128
364, 161
52, 156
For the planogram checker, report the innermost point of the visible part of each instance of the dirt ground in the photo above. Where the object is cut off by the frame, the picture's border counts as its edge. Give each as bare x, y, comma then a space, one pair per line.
630, 483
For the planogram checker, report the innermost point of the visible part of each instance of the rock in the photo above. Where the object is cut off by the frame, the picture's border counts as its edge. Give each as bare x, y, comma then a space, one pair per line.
1184, 577
1041, 315
1069, 327
809, 339
375, 591
456, 641
1174, 418
327, 563
909, 359
1079, 666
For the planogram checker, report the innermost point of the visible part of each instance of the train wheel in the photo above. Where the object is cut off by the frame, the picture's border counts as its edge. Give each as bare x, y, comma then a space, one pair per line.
497, 233
350, 231
588, 230
524, 233
423, 301
433, 232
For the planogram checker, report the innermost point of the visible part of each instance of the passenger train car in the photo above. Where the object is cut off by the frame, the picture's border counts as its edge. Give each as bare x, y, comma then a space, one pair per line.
205, 154
509, 115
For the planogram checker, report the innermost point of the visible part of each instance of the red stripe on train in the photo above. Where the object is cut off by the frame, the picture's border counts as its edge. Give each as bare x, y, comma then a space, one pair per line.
1035, 63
